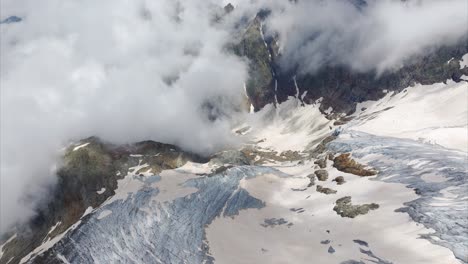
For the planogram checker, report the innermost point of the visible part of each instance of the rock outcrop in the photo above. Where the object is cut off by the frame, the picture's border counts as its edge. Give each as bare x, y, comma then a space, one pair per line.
322, 163
324, 190
339, 180
322, 175
311, 180
345, 163
344, 208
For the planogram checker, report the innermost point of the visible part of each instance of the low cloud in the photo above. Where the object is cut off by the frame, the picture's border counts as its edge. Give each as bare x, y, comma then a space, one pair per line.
364, 35
121, 70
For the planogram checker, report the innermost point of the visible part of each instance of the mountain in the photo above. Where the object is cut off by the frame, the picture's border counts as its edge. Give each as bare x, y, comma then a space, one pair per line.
335, 167
339, 86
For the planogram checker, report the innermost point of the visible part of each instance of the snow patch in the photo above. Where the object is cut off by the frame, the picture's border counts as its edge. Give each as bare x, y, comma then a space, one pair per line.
104, 214
80, 146
63, 259
52, 230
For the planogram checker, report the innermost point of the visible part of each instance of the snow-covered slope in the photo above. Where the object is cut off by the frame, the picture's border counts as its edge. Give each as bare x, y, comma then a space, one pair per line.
277, 199
435, 114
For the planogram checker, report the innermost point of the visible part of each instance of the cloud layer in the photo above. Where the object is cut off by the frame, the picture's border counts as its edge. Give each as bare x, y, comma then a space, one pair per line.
380, 35
121, 70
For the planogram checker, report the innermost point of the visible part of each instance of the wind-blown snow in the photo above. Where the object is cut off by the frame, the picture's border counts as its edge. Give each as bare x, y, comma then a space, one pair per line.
289, 126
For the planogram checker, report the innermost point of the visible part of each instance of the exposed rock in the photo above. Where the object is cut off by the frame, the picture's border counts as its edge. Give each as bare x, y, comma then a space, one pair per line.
322, 163
260, 85
331, 250
330, 156
325, 242
11, 19
342, 89
346, 164
297, 210
325, 190
361, 242
322, 146
312, 180
242, 131
259, 156
229, 8
344, 208
218, 170
298, 189
271, 222
339, 180
343, 120
339, 86
231, 157
322, 175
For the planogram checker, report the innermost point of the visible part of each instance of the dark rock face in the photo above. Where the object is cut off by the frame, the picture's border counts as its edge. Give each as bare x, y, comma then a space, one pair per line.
322, 146
322, 175
342, 89
325, 190
322, 163
311, 179
261, 83
11, 19
228, 8
345, 163
344, 208
233, 157
339, 180
361, 242
85, 171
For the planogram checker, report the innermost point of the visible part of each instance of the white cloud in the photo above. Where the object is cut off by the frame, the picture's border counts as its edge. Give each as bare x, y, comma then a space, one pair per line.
382, 36
121, 70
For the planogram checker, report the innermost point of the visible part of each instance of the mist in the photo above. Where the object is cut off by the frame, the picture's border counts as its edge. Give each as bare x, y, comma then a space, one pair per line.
124, 71
378, 36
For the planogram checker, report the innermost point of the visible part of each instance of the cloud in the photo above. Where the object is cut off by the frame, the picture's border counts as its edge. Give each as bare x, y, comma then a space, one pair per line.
121, 70
380, 35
